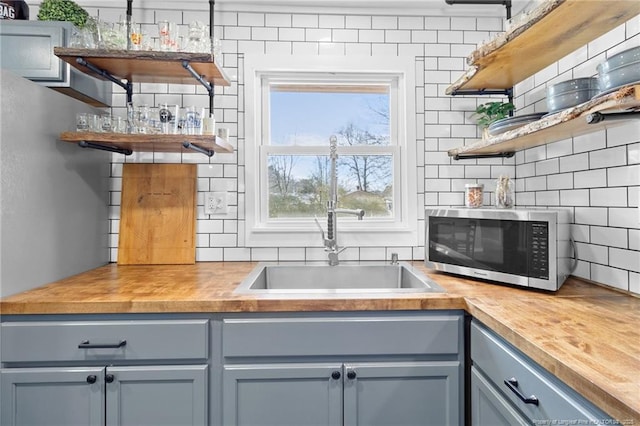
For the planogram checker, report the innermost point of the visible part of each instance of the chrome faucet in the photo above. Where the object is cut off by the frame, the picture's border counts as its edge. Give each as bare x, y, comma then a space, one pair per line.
331, 240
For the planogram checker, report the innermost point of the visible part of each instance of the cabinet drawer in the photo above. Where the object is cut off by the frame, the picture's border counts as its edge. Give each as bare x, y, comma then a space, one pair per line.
81, 340
500, 362
376, 335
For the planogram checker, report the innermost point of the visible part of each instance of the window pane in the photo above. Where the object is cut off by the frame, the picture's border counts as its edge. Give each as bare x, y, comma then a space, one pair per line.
299, 184
308, 116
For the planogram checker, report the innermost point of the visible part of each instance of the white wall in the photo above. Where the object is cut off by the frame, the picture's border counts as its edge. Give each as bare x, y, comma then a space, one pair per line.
596, 176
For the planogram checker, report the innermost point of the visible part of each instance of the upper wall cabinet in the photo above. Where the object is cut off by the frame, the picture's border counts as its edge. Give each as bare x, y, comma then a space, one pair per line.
550, 32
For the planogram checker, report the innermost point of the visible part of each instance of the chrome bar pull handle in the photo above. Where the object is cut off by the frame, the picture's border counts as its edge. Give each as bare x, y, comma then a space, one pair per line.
85, 344
512, 384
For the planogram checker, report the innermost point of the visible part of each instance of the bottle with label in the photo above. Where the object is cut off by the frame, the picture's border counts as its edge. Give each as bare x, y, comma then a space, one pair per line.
14, 10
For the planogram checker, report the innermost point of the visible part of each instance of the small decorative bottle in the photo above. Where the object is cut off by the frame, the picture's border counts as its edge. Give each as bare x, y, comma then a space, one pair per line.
504, 192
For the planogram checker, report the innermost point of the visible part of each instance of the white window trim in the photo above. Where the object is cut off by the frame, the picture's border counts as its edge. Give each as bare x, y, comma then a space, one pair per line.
351, 233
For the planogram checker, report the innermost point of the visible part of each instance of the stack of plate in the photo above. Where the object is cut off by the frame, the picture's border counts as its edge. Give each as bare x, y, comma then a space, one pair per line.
619, 70
511, 123
571, 93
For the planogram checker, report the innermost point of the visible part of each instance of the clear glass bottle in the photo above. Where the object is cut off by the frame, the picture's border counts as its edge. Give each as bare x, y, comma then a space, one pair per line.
505, 198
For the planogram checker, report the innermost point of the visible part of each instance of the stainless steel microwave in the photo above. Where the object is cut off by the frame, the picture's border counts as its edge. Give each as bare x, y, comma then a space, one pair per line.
530, 248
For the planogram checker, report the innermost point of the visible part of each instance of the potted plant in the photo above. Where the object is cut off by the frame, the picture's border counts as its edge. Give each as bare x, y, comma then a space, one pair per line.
489, 112
63, 10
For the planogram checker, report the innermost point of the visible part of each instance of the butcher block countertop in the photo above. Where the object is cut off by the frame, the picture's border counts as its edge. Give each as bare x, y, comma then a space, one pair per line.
587, 335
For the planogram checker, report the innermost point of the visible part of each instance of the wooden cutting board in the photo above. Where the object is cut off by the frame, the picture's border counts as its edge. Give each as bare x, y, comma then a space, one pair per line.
158, 214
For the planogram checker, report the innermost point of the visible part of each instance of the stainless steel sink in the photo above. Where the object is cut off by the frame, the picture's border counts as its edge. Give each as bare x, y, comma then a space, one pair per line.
346, 278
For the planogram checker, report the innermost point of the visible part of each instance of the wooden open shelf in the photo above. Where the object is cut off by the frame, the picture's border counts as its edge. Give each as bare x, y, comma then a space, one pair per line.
553, 30
146, 66
149, 143
561, 125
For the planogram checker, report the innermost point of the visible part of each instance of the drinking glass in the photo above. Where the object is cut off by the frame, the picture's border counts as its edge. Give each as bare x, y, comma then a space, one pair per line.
82, 122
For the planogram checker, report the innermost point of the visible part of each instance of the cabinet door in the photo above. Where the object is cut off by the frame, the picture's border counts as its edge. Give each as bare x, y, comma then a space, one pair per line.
488, 407
157, 396
402, 393
282, 394
52, 396
27, 48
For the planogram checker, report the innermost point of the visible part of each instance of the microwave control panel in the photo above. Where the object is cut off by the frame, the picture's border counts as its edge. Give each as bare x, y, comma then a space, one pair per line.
539, 255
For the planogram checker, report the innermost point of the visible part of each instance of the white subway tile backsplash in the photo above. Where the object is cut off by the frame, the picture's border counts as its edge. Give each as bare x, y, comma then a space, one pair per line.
424, 36
342, 35
609, 197
613, 277
624, 134
575, 197
371, 36
278, 20
547, 198
264, 33
291, 34
331, 21
605, 236
437, 23
450, 36
535, 154
411, 23
359, 22
560, 181
590, 178
609, 157
589, 142
573, 59
624, 176
593, 253
580, 233
547, 167
397, 36
634, 239
592, 174
574, 163
624, 217
305, 21
384, 22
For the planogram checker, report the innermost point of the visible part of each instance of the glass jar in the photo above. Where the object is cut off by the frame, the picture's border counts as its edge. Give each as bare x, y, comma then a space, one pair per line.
473, 193
504, 193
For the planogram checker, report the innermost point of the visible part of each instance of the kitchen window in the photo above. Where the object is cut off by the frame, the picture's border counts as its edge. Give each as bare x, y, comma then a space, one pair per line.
294, 106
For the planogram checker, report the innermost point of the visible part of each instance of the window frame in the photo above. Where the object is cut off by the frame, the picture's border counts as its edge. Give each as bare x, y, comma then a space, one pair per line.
261, 231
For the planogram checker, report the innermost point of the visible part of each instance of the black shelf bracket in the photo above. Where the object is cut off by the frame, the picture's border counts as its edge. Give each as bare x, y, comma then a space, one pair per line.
483, 92
207, 152
597, 117
125, 85
508, 154
187, 66
124, 151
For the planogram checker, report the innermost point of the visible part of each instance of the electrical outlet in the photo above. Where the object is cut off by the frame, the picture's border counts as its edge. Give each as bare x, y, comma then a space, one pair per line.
215, 203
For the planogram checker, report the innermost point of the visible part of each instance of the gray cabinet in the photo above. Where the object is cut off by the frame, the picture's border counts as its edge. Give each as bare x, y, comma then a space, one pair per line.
125, 373
52, 396
343, 370
26, 49
515, 387
489, 407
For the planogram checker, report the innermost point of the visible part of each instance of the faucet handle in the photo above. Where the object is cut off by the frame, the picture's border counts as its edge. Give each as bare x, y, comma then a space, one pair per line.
315, 218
